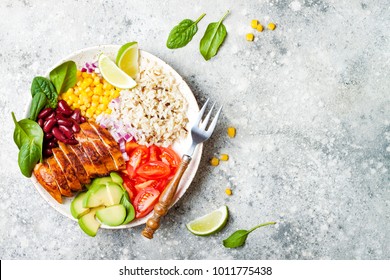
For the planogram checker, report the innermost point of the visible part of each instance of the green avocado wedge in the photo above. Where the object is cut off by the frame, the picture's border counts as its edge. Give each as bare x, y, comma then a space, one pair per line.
76, 207
89, 224
112, 216
107, 195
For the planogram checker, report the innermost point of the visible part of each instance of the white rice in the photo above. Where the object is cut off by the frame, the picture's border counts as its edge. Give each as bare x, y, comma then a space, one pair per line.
154, 112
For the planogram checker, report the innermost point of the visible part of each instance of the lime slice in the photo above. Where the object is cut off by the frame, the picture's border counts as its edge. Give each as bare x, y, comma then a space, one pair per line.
113, 74
127, 59
210, 223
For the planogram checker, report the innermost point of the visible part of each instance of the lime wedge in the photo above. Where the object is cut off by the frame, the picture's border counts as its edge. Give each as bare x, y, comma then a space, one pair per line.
113, 74
127, 59
210, 223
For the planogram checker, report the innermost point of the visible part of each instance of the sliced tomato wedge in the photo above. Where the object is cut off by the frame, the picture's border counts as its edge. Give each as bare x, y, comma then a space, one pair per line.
130, 146
148, 184
154, 170
129, 186
145, 201
160, 186
154, 153
137, 156
169, 156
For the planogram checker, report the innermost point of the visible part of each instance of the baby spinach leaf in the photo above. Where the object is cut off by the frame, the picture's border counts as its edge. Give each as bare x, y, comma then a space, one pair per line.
182, 33
28, 136
239, 237
130, 211
64, 76
45, 86
29, 154
39, 102
213, 38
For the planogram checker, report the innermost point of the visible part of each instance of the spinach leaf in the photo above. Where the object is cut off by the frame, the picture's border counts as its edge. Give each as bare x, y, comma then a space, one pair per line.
39, 102
182, 33
45, 86
213, 38
239, 237
28, 136
130, 211
30, 153
64, 76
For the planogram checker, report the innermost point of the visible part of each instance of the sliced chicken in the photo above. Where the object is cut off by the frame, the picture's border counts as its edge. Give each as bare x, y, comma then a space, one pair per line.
111, 144
95, 158
76, 163
90, 135
67, 169
59, 177
45, 177
84, 159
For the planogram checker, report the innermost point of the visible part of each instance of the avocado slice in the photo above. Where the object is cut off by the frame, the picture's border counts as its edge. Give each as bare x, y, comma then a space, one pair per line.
76, 207
88, 223
116, 178
107, 195
113, 215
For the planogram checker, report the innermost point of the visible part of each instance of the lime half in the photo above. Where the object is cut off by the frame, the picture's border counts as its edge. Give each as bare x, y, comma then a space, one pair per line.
210, 223
113, 74
127, 59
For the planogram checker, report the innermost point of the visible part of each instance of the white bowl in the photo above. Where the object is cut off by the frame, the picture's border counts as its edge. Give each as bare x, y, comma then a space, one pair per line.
91, 55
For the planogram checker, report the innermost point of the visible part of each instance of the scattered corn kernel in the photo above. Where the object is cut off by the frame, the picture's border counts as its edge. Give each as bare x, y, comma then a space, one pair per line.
214, 161
231, 131
271, 26
259, 28
254, 23
224, 157
228, 191
250, 37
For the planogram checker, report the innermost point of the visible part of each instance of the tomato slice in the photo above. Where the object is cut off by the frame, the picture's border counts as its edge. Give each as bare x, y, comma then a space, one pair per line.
160, 186
148, 184
170, 157
130, 146
129, 186
145, 201
154, 170
154, 152
137, 156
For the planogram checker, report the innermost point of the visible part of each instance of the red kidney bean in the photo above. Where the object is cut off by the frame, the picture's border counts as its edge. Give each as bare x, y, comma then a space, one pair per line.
44, 113
76, 115
47, 152
49, 124
64, 122
48, 136
51, 144
66, 131
66, 110
40, 122
58, 134
82, 119
75, 128
51, 116
71, 141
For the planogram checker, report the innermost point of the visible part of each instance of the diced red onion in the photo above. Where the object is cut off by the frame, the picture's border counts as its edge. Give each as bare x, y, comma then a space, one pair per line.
128, 137
83, 69
122, 146
125, 156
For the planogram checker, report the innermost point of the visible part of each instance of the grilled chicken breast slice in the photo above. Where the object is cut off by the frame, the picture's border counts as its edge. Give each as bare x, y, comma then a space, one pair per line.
67, 169
111, 144
95, 158
45, 177
94, 138
59, 177
84, 159
76, 163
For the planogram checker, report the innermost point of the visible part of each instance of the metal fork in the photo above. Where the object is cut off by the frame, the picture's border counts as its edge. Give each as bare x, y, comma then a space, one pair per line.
199, 134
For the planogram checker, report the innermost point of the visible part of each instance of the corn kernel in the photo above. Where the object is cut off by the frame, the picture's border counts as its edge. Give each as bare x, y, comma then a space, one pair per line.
254, 23
78, 73
260, 28
271, 26
108, 111
228, 191
224, 157
214, 161
250, 37
231, 131
85, 75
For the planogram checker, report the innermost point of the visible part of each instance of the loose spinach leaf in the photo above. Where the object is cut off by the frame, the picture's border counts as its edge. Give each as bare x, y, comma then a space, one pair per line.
239, 237
213, 38
39, 102
25, 130
130, 211
43, 85
182, 33
64, 76
28, 136
29, 154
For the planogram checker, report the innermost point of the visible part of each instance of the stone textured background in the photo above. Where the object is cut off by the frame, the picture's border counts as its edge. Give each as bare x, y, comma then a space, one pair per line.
310, 102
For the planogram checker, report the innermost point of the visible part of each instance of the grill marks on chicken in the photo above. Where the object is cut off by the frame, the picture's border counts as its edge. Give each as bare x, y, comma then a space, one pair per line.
72, 166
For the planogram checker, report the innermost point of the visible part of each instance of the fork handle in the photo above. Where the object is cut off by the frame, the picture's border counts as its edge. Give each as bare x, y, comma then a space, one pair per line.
166, 199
